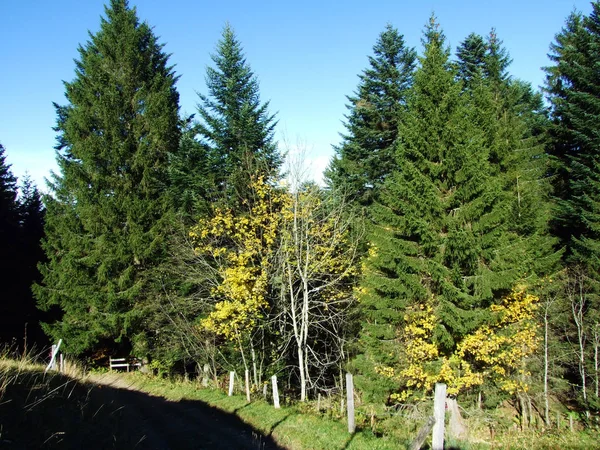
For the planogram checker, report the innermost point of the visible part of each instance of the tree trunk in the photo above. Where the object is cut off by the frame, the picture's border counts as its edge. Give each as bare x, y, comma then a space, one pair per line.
301, 366
254, 371
523, 413
546, 369
578, 307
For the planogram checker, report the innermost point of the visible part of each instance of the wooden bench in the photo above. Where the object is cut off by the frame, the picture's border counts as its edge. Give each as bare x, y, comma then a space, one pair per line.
129, 362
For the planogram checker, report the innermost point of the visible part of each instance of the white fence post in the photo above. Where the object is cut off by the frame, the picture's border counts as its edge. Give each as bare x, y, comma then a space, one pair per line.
231, 377
275, 391
350, 402
52, 364
439, 413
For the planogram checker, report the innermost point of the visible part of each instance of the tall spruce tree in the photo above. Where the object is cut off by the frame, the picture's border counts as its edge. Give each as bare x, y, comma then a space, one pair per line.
237, 128
442, 233
471, 57
365, 158
108, 208
573, 89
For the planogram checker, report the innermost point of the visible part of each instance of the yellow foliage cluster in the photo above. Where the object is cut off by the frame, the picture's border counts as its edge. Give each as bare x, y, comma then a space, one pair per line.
495, 352
244, 245
501, 349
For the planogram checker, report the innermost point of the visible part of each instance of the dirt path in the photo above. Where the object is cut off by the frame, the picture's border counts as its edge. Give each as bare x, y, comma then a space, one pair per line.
186, 424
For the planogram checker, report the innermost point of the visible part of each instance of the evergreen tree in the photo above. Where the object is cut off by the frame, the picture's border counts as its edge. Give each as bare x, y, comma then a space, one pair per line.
365, 158
192, 179
471, 54
9, 239
442, 235
31, 214
107, 215
574, 92
235, 125
496, 60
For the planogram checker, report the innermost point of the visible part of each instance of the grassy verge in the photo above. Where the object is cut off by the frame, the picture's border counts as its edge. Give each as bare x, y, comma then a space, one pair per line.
289, 426
298, 427
51, 410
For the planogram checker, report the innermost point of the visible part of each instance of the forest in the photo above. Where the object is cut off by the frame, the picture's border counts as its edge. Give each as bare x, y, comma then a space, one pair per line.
456, 239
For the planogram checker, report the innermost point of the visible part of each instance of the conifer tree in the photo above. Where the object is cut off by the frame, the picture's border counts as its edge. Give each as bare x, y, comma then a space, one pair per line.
471, 54
573, 90
31, 218
237, 128
366, 155
574, 93
442, 237
108, 208
192, 179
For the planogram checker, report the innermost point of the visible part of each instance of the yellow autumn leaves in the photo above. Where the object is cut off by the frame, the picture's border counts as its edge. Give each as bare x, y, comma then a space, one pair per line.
243, 248
495, 352
248, 250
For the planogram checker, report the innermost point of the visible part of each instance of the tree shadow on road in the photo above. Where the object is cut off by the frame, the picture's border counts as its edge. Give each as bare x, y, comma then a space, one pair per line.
64, 413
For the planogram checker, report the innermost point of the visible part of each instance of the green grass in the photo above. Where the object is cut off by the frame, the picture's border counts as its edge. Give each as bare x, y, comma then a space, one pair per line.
40, 410
290, 426
300, 427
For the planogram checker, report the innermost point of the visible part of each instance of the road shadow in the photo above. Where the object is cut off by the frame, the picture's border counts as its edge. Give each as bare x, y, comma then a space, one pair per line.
187, 424
64, 413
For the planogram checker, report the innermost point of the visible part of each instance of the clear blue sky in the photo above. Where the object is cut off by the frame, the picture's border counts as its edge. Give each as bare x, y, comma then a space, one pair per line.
306, 55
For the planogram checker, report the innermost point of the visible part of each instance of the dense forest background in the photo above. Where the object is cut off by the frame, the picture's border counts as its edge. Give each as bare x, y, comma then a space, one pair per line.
456, 240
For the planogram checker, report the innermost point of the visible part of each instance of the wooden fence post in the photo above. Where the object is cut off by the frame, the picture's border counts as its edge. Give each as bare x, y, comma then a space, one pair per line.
248, 385
417, 443
439, 413
231, 377
61, 365
205, 370
350, 402
275, 392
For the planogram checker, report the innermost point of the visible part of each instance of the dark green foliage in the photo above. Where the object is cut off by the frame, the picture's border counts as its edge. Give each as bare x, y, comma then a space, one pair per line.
458, 222
573, 87
32, 213
108, 212
471, 54
191, 176
365, 158
235, 126
496, 60
9, 246
21, 230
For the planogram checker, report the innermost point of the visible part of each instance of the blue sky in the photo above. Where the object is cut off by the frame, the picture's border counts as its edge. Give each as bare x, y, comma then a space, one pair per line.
306, 55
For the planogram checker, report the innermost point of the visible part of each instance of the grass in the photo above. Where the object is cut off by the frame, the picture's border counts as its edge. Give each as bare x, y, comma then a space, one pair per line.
300, 427
54, 410
290, 426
